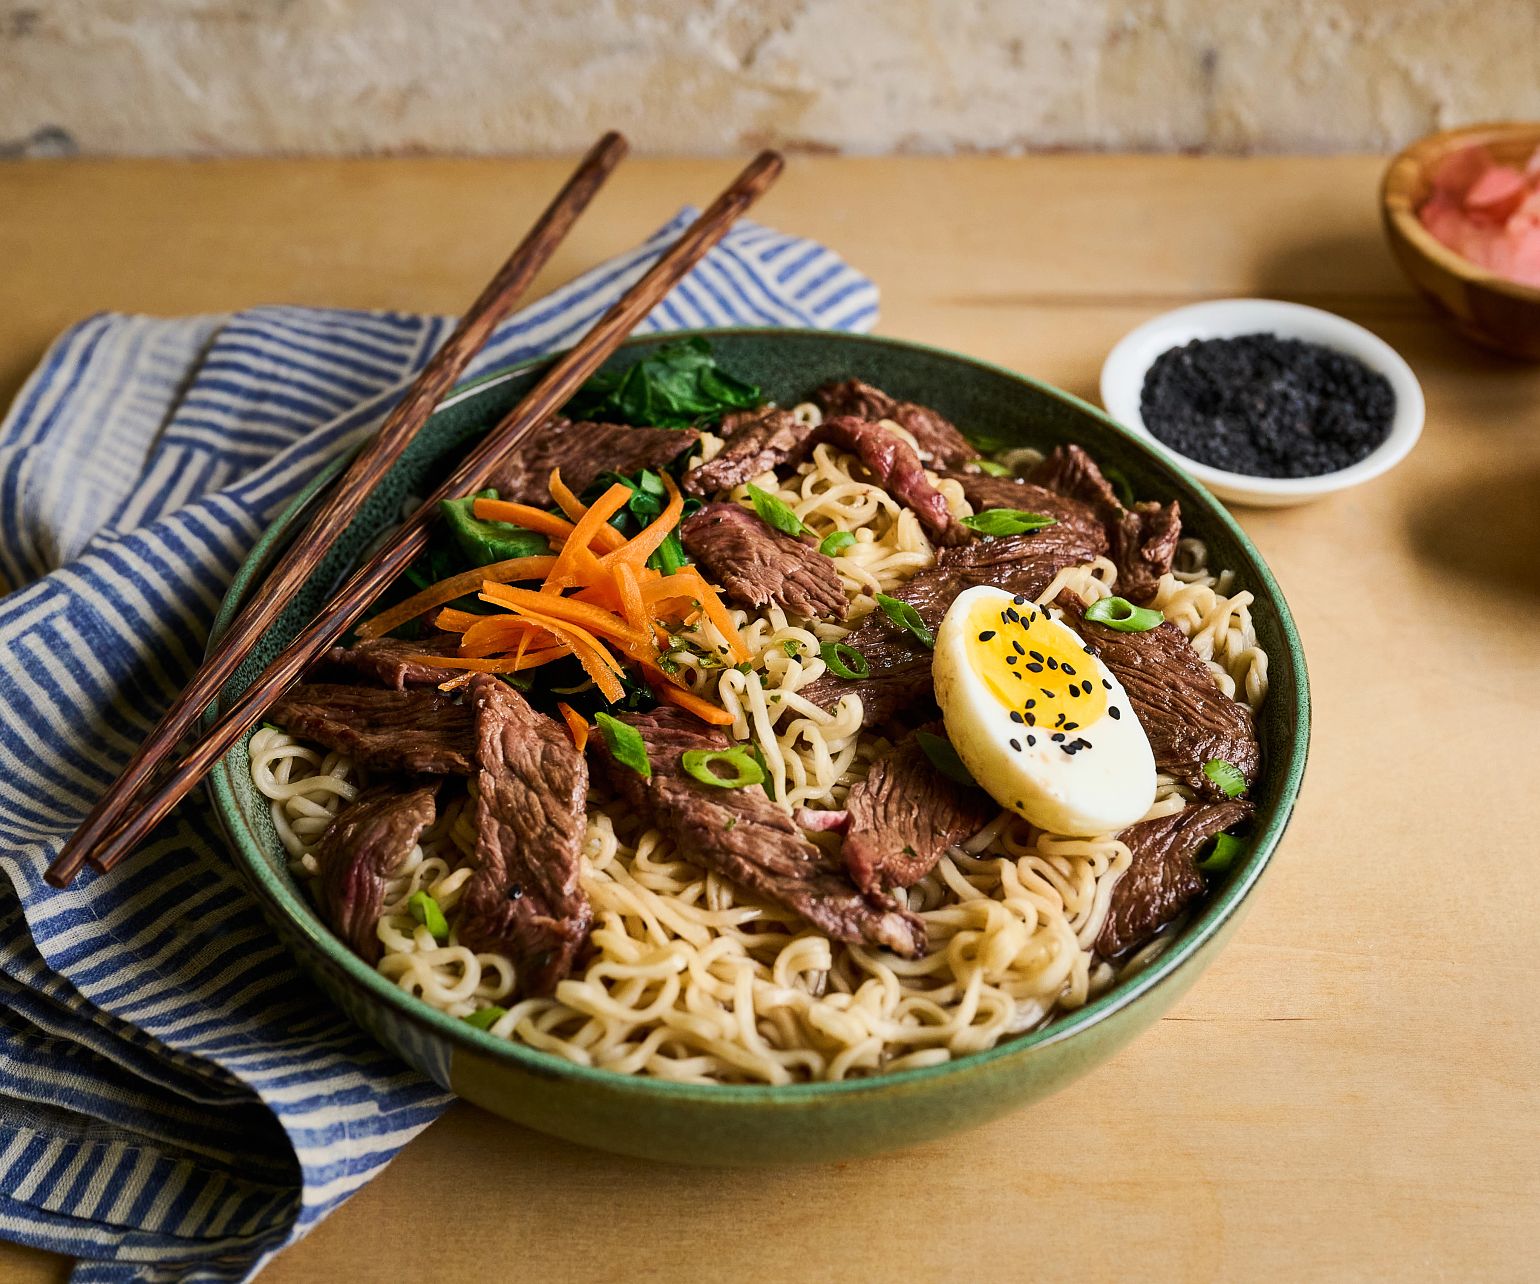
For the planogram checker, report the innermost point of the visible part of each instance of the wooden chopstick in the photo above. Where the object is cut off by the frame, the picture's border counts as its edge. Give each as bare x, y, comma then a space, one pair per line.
494, 303
553, 390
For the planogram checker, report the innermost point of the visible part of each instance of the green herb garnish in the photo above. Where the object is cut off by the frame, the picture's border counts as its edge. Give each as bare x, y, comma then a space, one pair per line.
625, 744
1121, 614
773, 512
485, 1018
1007, 521
679, 385
906, 617
792, 647
1221, 854
943, 757
844, 661
427, 912
836, 542
990, 467
705, 766
1225, 777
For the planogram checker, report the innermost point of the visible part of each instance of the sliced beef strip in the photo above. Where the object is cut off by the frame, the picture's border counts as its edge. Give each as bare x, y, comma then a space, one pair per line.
1164, 878
416, 732
777, 437
525, 900
758, 565
360, 850
744, 836
900, 680
1144, 544
582, 451
756, 444
1070, 471
896, 468
985, 492
1141, 541
937, 436
1187, 718
905, 814
389, 662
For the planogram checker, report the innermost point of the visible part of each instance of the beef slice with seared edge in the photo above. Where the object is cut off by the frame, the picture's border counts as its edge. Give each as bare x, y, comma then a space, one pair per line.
416, 732
938, 438
363, 846
582, 451
390, 662
1188, 719
758, 565
525, 899
905, 814
1141, 541
775, 438
745, 837
900, 680
756, 442
1163, 879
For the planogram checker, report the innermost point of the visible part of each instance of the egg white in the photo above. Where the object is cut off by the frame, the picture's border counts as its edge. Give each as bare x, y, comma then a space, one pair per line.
1096, 778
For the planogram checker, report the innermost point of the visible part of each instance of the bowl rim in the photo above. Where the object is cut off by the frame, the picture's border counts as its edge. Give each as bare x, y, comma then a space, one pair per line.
1121, 384
286, 898
1400, 192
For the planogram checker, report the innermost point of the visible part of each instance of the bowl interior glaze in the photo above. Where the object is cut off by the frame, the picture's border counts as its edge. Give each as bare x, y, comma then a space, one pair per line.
746, 1123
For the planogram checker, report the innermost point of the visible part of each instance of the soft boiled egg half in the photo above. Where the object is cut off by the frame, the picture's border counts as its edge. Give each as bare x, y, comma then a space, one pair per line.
1038, 720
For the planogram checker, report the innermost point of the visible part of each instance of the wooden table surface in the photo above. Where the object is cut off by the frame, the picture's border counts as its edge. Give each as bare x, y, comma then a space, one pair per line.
1351, 1091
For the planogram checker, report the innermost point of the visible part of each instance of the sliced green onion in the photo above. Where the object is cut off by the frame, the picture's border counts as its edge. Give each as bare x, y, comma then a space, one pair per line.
703, 765
625, 744
427, 912
943, 757
1226, 777
485, 1018
844, 661
906, 617
990, 467
669, 556
775, 513
1221, 854
1007, 521
1121, 614
792, 647
651, 482
1120, 486
836, 542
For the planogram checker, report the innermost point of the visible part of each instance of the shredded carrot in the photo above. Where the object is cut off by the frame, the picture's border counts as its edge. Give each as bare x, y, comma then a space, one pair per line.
679, 584
576, 724
631, 605
566, 573
496, 664
569, 503
451, 620
525, 515
666, 690
596, 660
637, 550
593, 618
515, 568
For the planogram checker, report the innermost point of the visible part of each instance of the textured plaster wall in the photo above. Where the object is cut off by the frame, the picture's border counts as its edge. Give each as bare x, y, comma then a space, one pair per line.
206, 77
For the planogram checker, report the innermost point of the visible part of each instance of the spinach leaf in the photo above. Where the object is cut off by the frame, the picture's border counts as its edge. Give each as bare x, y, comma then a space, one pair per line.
679, 385
484, 542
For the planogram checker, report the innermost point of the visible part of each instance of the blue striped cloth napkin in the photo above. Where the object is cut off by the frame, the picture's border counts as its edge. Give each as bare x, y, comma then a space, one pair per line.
176, 1101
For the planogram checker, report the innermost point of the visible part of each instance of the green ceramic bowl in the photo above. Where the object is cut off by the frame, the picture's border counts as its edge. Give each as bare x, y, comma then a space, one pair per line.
740, 1124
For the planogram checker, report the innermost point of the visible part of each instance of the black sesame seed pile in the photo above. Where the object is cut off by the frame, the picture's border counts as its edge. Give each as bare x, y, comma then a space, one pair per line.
1266, 406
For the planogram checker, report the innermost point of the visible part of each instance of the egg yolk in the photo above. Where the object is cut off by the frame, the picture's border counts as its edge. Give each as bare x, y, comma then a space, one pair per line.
1035, 668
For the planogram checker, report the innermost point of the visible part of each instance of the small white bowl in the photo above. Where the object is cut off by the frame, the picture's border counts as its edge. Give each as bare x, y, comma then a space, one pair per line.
1127, 364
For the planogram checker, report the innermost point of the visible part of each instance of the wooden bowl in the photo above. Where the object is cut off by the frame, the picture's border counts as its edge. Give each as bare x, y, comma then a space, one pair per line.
1492, 311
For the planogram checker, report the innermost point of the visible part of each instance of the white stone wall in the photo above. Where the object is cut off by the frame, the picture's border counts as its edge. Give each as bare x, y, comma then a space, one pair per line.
208, 77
